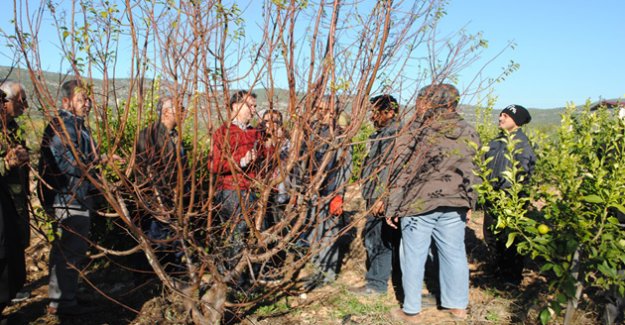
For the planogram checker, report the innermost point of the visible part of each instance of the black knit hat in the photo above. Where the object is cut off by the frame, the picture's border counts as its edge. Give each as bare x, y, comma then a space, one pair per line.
518, 113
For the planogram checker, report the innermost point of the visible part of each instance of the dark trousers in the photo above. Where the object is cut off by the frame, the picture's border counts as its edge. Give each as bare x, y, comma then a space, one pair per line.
12, 275
327, 260
381, 242
231, 207
12, 263
507, 262
68, 251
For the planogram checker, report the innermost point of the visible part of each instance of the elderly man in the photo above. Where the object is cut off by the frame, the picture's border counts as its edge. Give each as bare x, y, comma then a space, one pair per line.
160, 159
326, 206
14, 225
430, 191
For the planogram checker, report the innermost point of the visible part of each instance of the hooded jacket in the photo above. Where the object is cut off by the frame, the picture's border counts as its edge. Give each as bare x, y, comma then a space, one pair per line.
433, 166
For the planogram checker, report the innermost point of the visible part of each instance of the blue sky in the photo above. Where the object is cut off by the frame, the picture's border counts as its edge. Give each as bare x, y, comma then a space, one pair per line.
568, 51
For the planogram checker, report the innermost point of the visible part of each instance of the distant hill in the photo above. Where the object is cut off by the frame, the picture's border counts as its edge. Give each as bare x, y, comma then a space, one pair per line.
540, 117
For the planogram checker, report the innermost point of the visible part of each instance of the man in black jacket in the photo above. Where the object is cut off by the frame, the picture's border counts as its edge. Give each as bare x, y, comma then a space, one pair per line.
14, 225
379, 238
508, 261
160, 160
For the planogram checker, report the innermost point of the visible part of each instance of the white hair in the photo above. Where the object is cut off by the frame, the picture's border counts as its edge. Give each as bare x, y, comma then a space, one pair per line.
9, 88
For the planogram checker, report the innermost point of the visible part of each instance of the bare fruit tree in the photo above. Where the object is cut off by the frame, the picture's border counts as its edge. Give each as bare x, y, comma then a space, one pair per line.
307, 60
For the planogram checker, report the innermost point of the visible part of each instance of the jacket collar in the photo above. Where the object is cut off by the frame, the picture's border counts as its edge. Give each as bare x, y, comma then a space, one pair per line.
66, 115
241, 125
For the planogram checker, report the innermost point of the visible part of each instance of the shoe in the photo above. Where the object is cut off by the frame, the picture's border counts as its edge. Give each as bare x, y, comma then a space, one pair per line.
21, 296
458, 314
399, 315
316, 281
365, 291
428, 301
75, 310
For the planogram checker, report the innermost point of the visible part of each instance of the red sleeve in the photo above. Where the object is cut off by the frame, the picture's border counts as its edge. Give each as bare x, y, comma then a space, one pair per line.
217, 163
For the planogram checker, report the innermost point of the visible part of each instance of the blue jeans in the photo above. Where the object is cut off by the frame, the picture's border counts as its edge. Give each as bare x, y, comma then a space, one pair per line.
447, 226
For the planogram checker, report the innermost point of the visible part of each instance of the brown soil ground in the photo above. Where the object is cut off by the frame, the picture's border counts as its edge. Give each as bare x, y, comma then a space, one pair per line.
111, 288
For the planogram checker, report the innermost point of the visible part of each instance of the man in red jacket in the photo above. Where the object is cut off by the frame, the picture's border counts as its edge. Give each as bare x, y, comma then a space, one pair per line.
235, 149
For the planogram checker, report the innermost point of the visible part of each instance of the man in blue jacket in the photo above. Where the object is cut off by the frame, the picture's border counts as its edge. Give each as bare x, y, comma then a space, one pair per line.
68, 153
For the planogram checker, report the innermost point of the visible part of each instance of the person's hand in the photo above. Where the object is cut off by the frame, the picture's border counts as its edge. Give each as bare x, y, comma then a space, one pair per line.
468, 215
248, 158
378, 208
22, 155
16, 156
336, 205
112, 159
392, 222
279, 133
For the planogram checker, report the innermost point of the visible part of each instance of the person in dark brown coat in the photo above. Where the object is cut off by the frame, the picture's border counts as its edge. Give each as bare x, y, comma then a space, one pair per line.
431, 196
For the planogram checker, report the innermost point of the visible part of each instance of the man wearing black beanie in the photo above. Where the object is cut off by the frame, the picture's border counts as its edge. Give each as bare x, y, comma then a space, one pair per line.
507, 262
517, 113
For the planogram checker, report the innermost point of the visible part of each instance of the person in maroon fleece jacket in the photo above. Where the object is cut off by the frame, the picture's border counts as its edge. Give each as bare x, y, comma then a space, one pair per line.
235, 149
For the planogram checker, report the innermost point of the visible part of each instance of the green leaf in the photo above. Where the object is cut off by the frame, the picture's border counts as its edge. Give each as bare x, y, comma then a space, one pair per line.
545, 316
613, 220
546, 267
557, 269
510, 240
593, 198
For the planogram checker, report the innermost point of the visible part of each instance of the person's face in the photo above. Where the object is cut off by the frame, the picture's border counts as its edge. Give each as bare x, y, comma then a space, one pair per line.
380, 118
3, 102
506, 122
272, 122
79, 104
169, 115
18, 104
325, 113
245, 110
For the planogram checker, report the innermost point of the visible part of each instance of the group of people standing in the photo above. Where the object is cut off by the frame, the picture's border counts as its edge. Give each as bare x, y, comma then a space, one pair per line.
419, 186
417, 181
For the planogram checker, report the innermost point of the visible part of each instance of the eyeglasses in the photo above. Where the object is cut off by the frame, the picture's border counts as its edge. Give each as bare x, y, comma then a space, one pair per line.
276, 122
22, 101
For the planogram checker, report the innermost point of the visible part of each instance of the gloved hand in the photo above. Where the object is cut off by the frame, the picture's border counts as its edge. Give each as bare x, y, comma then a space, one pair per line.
336, 205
